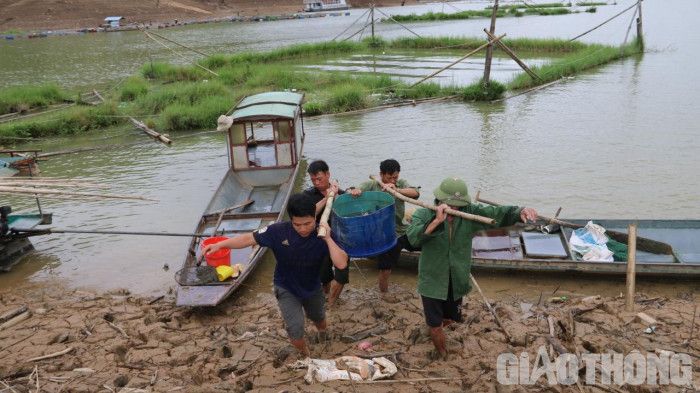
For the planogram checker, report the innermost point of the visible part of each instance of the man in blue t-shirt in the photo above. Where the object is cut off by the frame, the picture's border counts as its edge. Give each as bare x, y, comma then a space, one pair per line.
299, 253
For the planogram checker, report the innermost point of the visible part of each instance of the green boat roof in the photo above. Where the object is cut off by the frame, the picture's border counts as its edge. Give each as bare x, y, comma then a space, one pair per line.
277, 104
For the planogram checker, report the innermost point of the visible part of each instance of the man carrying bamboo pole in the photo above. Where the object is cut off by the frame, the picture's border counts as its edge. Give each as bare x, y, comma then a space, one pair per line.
389, 171
299, 253
332, 279
445, 261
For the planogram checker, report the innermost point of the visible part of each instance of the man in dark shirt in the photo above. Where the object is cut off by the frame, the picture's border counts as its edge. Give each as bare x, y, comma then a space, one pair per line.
332, 279
299, 253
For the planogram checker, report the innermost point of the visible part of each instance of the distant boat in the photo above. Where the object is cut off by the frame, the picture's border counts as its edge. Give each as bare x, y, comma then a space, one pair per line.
665, 248
264, 144
325, 5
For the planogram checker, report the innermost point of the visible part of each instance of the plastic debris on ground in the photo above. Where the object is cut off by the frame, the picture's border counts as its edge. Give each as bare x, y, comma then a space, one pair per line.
346, 367
590, 242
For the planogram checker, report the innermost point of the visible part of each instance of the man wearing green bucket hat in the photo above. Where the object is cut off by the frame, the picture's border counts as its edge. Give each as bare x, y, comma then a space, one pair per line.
389, 171
445, 261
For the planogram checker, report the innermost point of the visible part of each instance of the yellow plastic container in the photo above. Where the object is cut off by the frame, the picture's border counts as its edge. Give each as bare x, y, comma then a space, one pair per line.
223, 272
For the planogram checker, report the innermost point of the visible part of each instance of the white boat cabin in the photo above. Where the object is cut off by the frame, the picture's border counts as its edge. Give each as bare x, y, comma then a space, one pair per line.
267, 131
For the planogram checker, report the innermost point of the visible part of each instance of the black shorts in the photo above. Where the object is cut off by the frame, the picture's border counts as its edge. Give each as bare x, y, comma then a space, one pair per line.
437, 310
330, 272
389, 259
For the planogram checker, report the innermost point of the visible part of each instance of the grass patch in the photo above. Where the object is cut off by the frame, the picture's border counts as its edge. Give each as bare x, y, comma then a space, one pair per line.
133, 88
590, 3
187, 98
201, 115
347, 97
24, 98
546, 11
186, 93
436, 16
73, 121
592, 10
480, 92
591, 56
171, 73
512, 8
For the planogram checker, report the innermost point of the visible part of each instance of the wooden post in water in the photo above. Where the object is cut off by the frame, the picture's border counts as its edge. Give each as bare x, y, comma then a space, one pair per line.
631, 265
640, 35
372, 16
489, 49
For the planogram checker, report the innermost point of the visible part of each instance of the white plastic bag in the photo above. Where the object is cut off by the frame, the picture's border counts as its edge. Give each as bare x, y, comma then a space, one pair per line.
346, 367
590, 242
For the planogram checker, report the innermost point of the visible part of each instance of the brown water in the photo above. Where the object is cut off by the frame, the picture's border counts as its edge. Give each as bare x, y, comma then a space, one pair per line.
620, 142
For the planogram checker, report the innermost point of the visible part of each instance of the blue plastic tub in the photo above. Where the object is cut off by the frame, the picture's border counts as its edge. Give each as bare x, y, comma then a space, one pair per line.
364, 226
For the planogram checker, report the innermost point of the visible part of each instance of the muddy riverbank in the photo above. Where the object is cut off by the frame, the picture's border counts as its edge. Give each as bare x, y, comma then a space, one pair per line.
119, 342
22, 15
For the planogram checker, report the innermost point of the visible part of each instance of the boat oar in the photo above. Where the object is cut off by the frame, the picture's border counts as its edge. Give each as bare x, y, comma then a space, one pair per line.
649, 245
49, 231
466, 216
326, 213
488, 305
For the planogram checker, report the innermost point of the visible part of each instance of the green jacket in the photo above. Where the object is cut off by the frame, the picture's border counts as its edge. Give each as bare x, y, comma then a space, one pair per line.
399, 205
443, 256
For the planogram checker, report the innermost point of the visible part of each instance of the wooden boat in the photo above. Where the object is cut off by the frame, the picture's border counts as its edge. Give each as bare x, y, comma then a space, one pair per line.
15, 245
520, 248
265, 142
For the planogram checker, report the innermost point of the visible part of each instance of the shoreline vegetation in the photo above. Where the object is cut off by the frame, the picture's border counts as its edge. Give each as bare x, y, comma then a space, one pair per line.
516, 10
176, 98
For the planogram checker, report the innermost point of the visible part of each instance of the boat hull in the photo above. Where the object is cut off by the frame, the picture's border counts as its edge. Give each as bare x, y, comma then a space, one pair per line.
682, 235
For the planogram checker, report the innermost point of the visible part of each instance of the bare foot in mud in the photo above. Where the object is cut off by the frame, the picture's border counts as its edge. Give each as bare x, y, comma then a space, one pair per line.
319, 338
435, 355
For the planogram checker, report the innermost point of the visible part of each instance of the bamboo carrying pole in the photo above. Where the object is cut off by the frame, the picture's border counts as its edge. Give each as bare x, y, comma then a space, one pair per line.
326, 213
459, 60
631, 266
488, 305
453, 212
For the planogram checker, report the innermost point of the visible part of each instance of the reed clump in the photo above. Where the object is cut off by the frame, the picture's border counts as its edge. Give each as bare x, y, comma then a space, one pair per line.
483, 91
133, 88
72, 121
437, 16
171, 73
24, 98
587, 58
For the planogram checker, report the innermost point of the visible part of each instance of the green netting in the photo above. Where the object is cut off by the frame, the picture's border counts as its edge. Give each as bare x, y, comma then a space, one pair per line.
618, 249
368, 202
